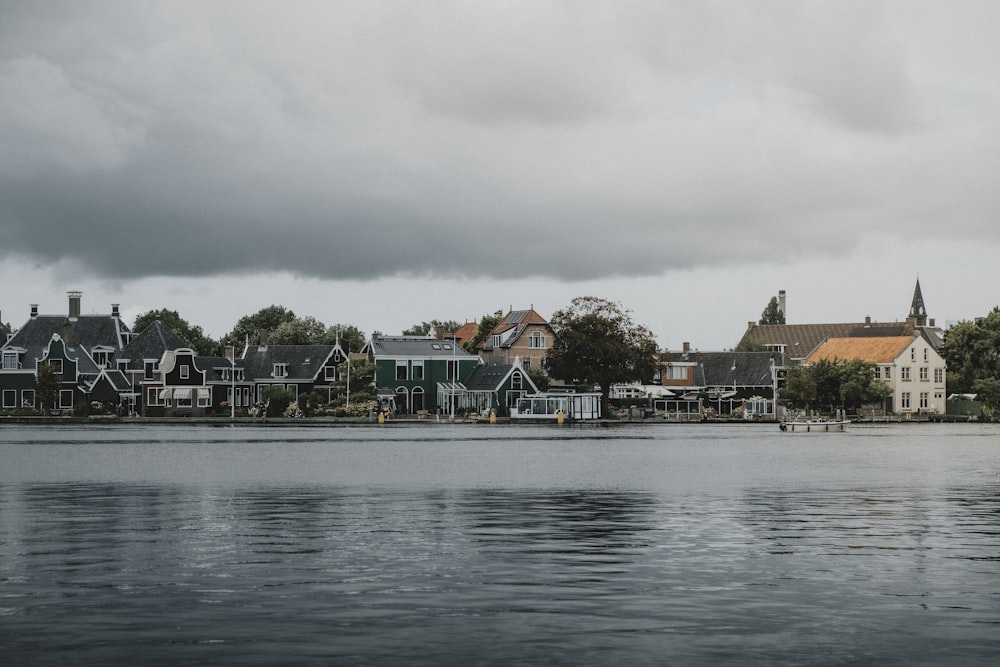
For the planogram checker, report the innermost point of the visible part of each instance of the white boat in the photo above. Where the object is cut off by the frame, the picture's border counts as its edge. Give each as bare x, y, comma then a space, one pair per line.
814, 426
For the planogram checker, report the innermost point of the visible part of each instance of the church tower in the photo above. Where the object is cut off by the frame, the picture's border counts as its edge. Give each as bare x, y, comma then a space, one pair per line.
918, 312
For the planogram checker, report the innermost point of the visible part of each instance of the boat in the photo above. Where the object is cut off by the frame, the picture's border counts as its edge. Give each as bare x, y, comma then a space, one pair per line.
814, 425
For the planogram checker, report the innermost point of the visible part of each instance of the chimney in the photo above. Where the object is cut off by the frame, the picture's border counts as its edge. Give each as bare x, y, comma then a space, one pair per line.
74, 303
114, 310
230, 352
868, 320
34, 310
686, 347
781, 303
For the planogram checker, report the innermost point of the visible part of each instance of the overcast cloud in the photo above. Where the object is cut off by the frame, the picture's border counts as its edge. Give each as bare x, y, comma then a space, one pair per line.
571, 141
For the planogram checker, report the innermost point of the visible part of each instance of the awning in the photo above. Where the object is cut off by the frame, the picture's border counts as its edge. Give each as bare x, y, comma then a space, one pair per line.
165, 394
182, 393
204, 393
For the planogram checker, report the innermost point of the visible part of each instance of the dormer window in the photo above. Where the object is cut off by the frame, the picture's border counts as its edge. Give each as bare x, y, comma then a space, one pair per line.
496, 340
280, 370
10, 360
101, 359
150, 369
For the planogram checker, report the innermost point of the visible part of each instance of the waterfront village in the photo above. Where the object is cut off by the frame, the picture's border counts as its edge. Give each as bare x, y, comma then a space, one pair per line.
92, 365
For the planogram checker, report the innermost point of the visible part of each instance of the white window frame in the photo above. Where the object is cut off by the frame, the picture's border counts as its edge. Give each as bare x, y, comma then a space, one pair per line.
924, 374
905, 374
417, 370
9, 398
153, 397
63, 395
10, 361
402, 371
924, 400
938, 375
536, 341
185, 371
904, 400
28, 396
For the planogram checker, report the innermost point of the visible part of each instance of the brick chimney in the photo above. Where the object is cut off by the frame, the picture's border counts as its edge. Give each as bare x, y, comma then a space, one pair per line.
781, 304
74, 303
114, 310
34, 310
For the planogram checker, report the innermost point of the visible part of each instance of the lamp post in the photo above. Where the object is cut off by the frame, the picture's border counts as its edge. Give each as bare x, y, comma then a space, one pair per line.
232, 380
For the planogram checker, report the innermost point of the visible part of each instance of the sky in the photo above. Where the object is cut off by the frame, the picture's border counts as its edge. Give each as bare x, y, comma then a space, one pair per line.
382, 164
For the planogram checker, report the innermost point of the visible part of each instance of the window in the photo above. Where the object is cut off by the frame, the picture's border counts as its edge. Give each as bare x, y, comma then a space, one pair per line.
204, 398
905, 374
65, 398
496, 340
904, 400
9, 398
878, 372
924, 374
401, 373
101, 359
452, 370
57, 365
280, 370
329, 373
677, 372
185, 371
417, 370
925, 354
150, 369
184, 402
537, 340
526, 363
153, 397
913, 354
10, 360
888, 372
515, 381
938, 375
27, 398
923, 400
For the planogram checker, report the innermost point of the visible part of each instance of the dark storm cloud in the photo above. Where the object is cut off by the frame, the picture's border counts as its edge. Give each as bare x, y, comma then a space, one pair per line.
574, 141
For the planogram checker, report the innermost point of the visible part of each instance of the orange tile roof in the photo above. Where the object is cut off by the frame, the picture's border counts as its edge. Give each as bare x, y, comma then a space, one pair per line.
874, 350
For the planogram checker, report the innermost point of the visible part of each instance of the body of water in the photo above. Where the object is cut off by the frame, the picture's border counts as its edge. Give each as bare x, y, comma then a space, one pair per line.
494, 544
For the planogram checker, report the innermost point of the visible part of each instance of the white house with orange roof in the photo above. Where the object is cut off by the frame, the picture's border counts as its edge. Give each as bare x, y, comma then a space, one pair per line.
910, 365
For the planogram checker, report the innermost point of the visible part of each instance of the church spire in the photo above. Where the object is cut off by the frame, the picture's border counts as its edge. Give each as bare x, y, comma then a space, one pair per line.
918, 312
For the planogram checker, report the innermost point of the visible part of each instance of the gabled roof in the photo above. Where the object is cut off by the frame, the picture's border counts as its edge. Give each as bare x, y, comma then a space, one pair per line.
304, 362
85, 331
799, 340
465, 333
420, 347
727, 369
872, 350
154, 340
512, 326
491, 378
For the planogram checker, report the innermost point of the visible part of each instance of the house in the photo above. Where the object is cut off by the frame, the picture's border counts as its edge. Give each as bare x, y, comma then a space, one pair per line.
910, 365
80, 347
184, 390
464, 333
720, 382
521, 334
139, 361
799, 340
420, 373
301, 369
497, 388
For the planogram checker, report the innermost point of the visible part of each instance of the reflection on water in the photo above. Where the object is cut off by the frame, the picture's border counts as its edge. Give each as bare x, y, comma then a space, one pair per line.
700, 568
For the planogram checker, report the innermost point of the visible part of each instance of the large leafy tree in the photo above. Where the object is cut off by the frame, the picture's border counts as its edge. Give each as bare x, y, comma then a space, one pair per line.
486, 324
972, 352
249, 327
832, 384
298, 331
772, 313
191, 334
597, 343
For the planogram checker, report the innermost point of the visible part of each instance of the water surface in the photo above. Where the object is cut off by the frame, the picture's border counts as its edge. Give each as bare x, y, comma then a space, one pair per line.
495, 544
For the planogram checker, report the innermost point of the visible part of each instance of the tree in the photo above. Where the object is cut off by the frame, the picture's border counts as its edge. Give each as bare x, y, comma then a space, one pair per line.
972, 352
47, 385
597, 343
772, 313
298, 331
832, 384
800, 387
193, 335
250, 327
352, 339
486, 324
432, 327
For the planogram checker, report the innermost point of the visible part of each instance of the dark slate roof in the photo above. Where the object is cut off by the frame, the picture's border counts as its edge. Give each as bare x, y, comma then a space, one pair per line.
86, 332
727, 369
487, 378
421, 347
304, 361
154, 340
213, 366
